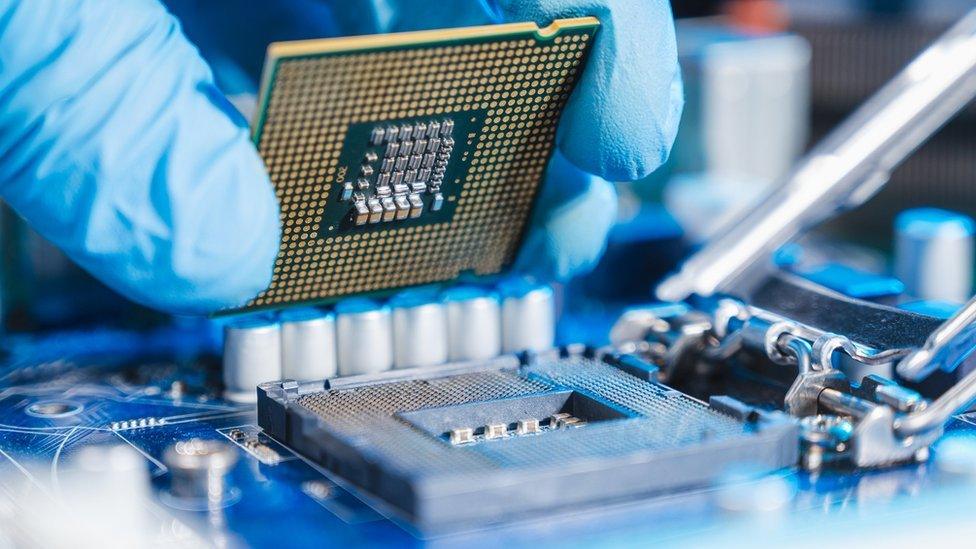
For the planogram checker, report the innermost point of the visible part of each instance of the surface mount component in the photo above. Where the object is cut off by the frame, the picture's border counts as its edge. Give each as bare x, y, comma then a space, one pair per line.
475, 443
405, 159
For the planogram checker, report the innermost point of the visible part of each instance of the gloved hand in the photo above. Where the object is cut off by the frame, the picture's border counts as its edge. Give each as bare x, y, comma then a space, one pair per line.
116, 144
619, 124
623, 116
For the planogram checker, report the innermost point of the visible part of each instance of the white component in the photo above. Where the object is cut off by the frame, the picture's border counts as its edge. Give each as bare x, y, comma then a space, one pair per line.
252, 355
104, 498
934, 254
419, 331
496, 430
528, 317
462, 436
750, 102
308, 345
527, 426
755, 98
473, 324
364, 337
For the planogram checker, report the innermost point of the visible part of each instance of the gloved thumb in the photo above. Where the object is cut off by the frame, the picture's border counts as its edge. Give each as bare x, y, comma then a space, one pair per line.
116, 146
623, 115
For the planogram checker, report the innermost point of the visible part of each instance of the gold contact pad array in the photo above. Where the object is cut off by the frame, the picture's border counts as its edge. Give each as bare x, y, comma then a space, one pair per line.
521, 84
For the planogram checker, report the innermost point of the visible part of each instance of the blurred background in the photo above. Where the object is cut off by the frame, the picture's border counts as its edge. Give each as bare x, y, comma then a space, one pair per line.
765, 79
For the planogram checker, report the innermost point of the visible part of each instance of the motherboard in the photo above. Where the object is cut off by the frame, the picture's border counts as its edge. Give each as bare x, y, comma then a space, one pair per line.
90, 423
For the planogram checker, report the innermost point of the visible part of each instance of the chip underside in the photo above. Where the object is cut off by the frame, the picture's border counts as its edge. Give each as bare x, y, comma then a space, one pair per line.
407, 159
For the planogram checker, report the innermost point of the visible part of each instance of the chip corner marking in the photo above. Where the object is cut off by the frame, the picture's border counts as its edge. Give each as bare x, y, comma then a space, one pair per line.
561, 27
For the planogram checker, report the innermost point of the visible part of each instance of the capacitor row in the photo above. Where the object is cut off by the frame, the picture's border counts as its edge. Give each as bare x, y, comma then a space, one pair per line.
414, 329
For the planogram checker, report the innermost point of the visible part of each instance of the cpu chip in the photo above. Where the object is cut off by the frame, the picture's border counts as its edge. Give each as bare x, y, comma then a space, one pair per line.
410, 158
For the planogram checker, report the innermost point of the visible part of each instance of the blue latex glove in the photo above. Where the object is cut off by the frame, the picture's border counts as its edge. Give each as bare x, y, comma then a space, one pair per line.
619, 124
117, 146
621, 121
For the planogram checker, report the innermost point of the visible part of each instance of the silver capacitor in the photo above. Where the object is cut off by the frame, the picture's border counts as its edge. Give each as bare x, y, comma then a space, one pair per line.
364, 337
252, 355
934, 254
528, 316
198, 472
473, 324
308, 344
419, 330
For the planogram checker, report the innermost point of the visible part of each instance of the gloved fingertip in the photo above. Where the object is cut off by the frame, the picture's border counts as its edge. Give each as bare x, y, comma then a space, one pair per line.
622, 117
569, 230
222, 257
121, 150
628, 140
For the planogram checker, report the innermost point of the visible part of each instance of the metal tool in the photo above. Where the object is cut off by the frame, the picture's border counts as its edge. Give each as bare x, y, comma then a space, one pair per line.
843, 171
